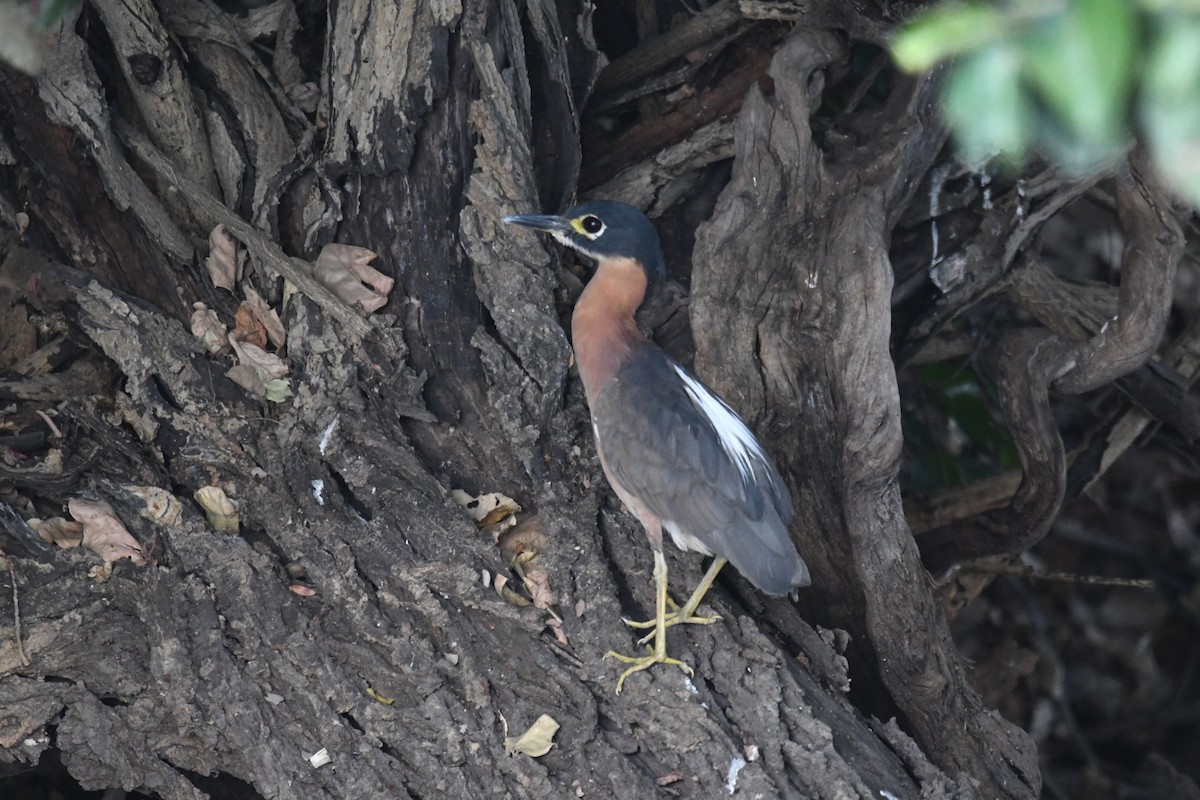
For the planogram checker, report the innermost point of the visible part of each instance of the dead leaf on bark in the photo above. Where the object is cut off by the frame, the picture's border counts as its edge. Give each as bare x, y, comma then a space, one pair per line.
104, 533
221, 511
247, 329
259, 372
536, 741
266, 316
225, 259
56, 530
536, 580
528, 535
208, 328
161, 506
344, 268
486, 509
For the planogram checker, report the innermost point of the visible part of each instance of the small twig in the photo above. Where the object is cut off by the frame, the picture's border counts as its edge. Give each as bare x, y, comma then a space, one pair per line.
1066, 577
12, 572
50, 423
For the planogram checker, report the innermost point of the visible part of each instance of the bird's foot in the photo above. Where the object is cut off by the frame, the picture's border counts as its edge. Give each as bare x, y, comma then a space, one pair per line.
676, 617
639, 663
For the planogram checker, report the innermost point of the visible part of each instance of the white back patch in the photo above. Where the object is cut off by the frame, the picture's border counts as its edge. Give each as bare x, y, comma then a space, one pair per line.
736, 439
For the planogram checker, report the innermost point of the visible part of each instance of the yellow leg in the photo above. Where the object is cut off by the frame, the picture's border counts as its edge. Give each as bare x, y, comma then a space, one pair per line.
658, 653
687, 614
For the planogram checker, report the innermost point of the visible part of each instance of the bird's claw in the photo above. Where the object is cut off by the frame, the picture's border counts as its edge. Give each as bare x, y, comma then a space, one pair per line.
639, 663
673, 618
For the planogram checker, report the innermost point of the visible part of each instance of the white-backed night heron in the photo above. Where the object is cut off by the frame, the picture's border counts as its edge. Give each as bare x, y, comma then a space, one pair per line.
676, 454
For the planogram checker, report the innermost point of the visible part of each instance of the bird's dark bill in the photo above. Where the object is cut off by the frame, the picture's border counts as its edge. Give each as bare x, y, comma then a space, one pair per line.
541, 222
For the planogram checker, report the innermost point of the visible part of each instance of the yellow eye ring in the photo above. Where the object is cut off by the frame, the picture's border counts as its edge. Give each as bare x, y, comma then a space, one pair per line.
589, 225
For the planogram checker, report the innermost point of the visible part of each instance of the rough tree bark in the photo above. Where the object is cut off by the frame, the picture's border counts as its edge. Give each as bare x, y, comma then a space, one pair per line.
410, 129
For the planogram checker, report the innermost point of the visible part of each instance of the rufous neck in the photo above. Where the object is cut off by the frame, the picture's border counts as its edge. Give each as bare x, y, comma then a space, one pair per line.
603, 327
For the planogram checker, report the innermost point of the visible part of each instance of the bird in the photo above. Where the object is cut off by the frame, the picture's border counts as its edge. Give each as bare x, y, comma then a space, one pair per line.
676, 454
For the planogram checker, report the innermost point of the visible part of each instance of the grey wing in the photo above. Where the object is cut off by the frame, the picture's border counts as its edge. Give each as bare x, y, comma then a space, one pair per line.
675, 446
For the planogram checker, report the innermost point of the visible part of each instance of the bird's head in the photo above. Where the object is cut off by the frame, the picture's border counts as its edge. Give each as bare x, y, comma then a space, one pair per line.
603, 229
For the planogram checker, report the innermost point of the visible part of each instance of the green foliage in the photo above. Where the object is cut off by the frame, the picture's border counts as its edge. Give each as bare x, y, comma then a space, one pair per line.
945, 32
1074, 80
985, 106
51, 11
1170, 115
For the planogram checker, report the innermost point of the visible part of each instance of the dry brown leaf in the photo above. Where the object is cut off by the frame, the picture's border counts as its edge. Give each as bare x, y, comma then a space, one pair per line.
56, 530
346, 270
259, 372
208, 328
161, 506
555, 624
247, 329
536, 580
536, 741
248, 379
486, 509
104, 533
221, 511
267, 365
266, 316
224, 262
528, 535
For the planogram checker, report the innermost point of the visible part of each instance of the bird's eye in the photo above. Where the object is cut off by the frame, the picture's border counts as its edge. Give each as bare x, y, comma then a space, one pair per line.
592, 224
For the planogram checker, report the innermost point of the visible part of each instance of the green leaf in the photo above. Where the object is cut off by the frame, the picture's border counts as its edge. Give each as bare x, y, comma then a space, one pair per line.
986, 106
1081, 61
1170, 105
54, 10
278, 390
944, 32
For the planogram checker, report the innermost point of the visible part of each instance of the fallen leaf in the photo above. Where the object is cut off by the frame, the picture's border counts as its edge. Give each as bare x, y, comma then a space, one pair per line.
267, 365
266, 316
278, 390
245, 377
161, 507
220, 510
104, 533
224, 262
247, 329
259, 372
345, 269
556, 627
56, 530
208, 328
536, 741
536, 580
486, 509
528, 535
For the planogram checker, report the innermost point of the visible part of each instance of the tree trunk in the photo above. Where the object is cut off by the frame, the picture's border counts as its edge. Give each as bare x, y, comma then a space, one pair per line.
357, 609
